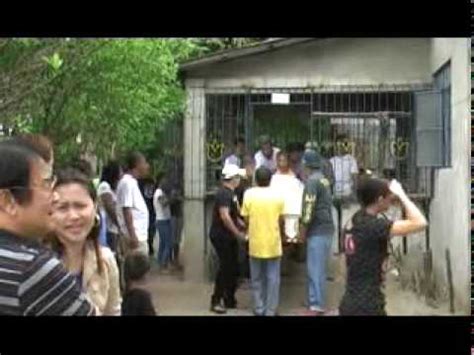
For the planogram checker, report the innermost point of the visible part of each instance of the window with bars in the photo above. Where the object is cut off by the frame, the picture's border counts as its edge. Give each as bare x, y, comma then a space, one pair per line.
433, 122
442, 82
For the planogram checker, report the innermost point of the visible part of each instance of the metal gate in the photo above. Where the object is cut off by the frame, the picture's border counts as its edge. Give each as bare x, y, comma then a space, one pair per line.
379, 124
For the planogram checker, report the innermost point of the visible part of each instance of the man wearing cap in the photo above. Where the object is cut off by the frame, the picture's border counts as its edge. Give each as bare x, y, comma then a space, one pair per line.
226, 230
267, 155
317, 228
326, 168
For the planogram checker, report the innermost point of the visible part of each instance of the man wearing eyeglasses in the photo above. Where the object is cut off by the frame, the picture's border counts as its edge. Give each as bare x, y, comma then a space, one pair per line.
32, 281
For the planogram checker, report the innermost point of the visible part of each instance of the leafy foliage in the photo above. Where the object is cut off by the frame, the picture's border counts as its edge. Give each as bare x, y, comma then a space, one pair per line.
97, 96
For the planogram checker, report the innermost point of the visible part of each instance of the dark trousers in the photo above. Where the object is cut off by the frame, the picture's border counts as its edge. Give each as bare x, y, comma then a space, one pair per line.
244, 261
341, 203
151, 237
112, 240
227, 250
364, 302
176, 230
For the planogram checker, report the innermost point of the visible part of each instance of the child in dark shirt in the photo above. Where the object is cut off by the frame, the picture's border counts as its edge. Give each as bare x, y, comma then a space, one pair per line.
137, 301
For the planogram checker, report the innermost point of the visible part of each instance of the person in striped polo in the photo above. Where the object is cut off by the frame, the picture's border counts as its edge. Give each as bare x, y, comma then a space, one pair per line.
32, 281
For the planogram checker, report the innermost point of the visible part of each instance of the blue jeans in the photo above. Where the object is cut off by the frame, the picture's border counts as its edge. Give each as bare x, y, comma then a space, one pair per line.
103, 229
265, 276
318, 250
166, 241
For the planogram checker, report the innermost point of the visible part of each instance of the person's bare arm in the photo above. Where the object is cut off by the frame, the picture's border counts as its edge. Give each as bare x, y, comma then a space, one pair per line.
227, 220
309, 204
241, 223
303, 231
281, 224
110, 207
414, 222
127, 213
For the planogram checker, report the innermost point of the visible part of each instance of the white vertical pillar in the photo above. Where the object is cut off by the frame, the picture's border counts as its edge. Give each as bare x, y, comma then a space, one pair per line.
194, 182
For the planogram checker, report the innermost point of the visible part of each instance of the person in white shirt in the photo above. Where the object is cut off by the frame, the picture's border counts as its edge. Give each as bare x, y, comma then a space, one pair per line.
345, 169
285, 183
111, 175
161, 202
132, 210
236, 158
267, 155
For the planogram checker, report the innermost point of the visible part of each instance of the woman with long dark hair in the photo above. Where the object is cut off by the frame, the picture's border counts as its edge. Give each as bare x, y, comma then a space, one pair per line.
76, 224
366, 239
111, 175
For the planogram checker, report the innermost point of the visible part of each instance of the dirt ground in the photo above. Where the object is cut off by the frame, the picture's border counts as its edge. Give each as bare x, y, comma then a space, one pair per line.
174, 296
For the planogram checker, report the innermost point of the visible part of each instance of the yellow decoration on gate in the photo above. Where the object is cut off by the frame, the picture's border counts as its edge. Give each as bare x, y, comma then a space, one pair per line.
214, 150
399, 148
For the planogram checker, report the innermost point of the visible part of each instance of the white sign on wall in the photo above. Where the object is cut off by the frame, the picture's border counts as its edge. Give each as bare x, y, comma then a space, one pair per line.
281, 99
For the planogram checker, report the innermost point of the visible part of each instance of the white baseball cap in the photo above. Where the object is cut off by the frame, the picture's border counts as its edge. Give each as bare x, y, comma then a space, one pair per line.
231, 170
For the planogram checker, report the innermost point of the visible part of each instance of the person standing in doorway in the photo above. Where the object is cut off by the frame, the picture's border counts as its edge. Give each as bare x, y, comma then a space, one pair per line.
226, 230
263, 211
267, 155
366, 238
317, 229
133, 213
161, 203
237, 157
346, 170
287, 185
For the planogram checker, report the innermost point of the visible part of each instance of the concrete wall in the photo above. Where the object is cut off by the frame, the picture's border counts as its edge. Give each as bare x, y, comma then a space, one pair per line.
351, 61
193, 241
339, 61
450, 210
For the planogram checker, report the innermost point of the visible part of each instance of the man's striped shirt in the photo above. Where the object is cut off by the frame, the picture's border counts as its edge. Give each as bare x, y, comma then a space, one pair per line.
33, 281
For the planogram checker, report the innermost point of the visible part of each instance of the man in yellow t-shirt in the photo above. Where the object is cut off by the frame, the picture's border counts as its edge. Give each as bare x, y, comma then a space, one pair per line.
262, 210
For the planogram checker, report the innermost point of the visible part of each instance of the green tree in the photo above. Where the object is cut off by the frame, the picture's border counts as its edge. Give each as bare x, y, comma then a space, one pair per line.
101, 96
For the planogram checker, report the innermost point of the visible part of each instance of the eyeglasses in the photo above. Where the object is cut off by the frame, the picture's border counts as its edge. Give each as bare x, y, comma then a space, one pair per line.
50, 182
46, 184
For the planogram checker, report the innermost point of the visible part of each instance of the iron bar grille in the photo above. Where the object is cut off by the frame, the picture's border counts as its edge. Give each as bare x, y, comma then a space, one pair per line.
378, 122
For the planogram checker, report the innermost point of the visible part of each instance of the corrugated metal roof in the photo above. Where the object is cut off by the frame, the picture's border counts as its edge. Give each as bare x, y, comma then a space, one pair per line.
230, 54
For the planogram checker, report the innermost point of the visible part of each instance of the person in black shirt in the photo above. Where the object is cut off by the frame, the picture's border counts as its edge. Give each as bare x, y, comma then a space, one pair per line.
147, 187
244, 259
366, 242
224, 236
137, 300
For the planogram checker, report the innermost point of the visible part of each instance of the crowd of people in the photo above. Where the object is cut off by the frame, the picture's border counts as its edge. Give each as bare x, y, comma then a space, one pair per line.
280, 197
70, 245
